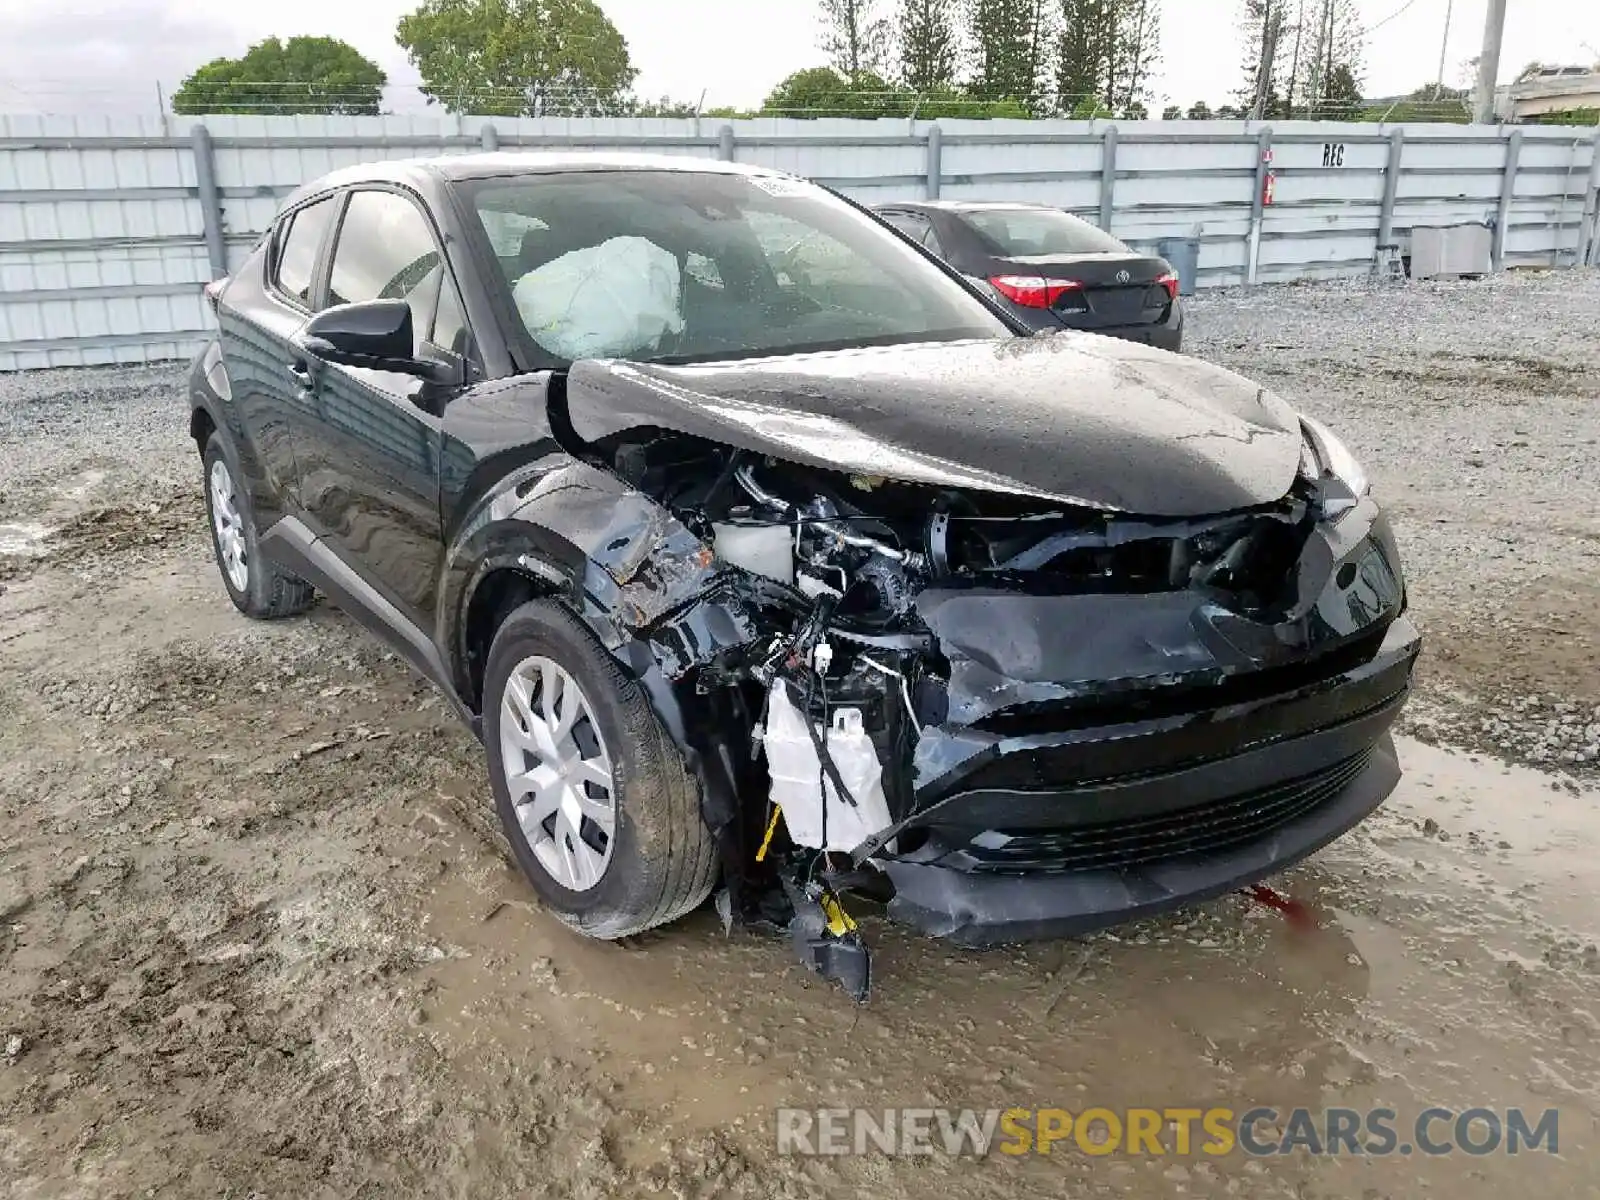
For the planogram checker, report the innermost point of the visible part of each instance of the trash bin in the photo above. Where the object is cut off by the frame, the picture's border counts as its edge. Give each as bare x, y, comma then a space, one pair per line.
1184, 255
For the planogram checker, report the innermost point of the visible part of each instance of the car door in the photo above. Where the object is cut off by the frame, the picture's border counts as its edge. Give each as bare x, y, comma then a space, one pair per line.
369, 448
263, 309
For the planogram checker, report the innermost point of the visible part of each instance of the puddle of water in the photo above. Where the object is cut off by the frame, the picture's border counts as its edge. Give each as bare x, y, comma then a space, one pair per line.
1520, 826
1443, 971
23, 540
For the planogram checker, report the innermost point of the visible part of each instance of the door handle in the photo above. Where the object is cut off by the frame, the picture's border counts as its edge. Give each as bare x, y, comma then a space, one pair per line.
301, 373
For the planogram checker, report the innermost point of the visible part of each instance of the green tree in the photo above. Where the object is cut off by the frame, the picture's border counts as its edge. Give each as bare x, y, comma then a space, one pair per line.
1085, 49
1326, 77
823, 92
1008, 41
956, 103
1302, 58
1172, 112
1090, 108
1341, 97
1430, 102
1108, 50
855, 37
1199, 111
927, 40
1567, 116
815, 92
518, 57
302, 75
1268, 55
1139, 45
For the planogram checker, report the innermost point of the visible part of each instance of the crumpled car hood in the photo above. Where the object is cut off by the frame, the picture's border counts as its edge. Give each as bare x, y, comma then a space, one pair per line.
1070, 417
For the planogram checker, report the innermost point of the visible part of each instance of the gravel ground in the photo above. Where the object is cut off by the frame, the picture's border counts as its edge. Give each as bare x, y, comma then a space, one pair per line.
259, 936
1475, 406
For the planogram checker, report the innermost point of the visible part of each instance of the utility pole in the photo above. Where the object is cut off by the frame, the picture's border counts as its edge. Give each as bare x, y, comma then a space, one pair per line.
1494, 26
1444, 42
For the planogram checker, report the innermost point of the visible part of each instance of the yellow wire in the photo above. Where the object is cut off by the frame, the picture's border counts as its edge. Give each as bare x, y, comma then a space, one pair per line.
772, 827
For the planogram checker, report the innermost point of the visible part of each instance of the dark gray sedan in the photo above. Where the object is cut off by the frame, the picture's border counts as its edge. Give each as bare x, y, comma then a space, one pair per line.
1051, 269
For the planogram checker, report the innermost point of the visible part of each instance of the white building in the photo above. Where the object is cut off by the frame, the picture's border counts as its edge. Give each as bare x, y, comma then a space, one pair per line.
1548, 90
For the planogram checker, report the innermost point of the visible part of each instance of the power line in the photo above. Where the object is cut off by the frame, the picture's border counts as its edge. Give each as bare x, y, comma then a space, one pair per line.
1399, 12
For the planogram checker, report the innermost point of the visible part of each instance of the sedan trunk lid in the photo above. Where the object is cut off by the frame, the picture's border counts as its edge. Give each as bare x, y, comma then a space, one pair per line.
1115, 289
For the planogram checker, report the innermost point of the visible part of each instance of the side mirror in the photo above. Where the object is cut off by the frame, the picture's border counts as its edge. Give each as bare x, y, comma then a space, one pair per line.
371, 333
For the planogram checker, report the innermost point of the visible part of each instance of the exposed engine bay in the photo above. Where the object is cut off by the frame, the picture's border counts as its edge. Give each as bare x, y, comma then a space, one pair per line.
865, 641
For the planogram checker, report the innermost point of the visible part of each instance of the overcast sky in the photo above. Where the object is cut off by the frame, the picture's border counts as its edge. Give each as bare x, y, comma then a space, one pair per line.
79, 56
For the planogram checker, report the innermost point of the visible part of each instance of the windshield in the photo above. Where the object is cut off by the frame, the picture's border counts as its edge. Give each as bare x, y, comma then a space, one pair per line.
683, 266
1011, 232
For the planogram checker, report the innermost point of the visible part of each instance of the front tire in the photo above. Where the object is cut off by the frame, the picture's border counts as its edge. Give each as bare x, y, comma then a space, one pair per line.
257, 588
601, 813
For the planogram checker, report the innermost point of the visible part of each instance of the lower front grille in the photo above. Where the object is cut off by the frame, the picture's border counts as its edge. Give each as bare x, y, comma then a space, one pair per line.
1205, 828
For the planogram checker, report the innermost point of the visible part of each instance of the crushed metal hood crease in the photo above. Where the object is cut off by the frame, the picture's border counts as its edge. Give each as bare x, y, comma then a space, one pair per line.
1072, 418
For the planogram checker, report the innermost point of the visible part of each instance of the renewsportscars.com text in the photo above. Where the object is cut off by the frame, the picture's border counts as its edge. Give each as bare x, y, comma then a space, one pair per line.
1259, 1132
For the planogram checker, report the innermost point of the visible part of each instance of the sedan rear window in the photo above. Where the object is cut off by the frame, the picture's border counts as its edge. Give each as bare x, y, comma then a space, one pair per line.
1019, 231
686, 266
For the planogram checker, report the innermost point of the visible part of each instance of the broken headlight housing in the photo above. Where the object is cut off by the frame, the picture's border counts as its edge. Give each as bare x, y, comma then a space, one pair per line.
1329, 460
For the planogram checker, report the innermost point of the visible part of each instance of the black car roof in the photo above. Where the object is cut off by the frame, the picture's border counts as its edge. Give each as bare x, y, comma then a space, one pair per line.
455, 167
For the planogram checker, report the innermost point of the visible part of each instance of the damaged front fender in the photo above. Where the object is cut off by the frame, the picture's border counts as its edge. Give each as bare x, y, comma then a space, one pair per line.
620, 560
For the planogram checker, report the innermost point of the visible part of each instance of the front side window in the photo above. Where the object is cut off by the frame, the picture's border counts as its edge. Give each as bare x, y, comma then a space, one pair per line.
449, 322
298, 243
385, 251
687, 266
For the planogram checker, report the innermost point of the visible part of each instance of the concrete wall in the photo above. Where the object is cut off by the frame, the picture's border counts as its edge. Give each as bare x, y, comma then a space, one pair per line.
110, 226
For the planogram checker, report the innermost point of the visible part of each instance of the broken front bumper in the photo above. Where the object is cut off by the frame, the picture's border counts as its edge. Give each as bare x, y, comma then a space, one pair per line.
1079, 857
1046, 810
984, 909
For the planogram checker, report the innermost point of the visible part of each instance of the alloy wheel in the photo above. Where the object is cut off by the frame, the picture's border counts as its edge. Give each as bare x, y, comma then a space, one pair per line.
558, 772
229, 526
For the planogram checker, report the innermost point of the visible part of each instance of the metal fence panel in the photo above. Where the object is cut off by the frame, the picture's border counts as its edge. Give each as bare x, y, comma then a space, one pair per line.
107, 230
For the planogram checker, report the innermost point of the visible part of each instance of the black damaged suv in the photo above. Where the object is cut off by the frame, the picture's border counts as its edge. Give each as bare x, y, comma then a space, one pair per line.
624, 454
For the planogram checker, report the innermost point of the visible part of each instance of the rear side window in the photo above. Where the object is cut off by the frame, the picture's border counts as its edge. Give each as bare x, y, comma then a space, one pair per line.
297, 249
918, 227
1013, 231
910, 224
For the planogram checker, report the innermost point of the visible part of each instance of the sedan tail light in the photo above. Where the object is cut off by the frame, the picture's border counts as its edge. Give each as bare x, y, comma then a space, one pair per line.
1170, 282
1033, 291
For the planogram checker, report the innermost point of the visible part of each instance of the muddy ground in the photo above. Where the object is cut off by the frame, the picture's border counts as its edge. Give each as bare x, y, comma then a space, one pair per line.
259, 935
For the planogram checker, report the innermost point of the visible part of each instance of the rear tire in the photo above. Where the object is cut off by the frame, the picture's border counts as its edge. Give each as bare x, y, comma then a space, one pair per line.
258, 588
559, 715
